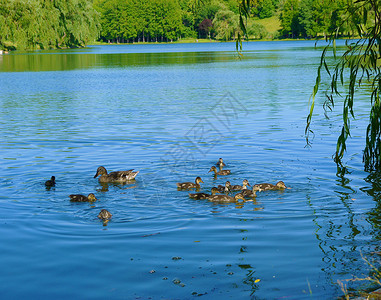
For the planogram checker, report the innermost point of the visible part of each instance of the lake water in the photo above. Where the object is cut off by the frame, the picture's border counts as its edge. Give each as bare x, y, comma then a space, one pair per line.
170, 111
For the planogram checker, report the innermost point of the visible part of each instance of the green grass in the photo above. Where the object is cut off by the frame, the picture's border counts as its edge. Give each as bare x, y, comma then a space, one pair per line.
272, 24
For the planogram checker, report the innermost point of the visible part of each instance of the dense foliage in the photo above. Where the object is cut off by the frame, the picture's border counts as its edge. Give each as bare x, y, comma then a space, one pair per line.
158, 20
310, 18
72, 23
47, 24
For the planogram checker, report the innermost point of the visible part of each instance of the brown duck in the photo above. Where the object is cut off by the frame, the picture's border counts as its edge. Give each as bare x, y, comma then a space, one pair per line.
224, 188
268, 186
226, 198
199, 196
117, 176
221, 172
51, 182
82, 198
220, 163
104, 215
244, 185
189, 185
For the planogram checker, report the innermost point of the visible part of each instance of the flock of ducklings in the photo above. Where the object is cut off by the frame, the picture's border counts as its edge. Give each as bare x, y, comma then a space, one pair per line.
225, 190
105, 177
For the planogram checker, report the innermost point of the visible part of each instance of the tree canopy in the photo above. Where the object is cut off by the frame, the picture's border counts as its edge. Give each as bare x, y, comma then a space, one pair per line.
47, 24
72, 23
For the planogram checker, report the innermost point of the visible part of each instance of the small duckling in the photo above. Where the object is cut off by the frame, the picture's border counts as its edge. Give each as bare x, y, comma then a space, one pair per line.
268, 186
224, 188
199, 196
226, 198
117, 176
249, 193
220, 163
221, 172
82, 198
245, 183
51, 182
189, 185
104, 215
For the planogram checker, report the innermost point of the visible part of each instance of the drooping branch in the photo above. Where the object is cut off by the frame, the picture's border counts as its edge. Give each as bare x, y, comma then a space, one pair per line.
357, 68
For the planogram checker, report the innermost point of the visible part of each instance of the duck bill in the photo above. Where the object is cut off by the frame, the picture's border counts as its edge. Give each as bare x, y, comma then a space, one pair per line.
248, 184
96, 174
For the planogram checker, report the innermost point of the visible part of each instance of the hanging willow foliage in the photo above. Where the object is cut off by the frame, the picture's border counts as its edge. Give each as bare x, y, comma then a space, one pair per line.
361, 61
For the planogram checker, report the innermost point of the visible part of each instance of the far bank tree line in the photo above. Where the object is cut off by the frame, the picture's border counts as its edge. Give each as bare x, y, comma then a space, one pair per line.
168, 20
44, 24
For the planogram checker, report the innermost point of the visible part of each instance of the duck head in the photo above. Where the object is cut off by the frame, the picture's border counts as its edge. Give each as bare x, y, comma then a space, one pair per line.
100, 171
256, 188
91, 197
214, 191
239, 196
213, 169
281, 185
245, 182
198, 180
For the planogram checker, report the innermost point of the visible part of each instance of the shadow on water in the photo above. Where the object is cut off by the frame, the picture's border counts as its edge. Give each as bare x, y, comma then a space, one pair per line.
374, 216
74, 61
339, 236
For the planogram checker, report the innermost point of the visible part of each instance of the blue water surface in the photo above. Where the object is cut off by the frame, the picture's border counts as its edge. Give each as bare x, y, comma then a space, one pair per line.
170, 111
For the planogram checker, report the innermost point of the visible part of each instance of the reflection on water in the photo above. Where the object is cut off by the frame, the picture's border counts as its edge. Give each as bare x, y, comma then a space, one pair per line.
170, 111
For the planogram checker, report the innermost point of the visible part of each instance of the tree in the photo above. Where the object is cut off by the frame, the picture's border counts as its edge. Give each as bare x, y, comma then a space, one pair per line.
290, 18
263, 8
226, 24
361, 62
47, 24
205, 27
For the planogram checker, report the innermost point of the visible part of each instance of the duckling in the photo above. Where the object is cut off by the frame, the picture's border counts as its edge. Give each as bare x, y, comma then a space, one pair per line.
220, 163
268, 186
104, 215
189, 185
51, 182
199, 196
225, 198
249, 193
221, 172
82, 198
224, 188
245, 183
117, 176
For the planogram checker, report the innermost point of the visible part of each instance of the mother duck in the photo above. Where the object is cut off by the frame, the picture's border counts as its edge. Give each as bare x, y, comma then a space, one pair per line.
117, 176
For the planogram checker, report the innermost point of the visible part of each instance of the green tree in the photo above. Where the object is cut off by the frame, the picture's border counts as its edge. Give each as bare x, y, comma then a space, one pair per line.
289, 18
226, 24
47, 24
263, 8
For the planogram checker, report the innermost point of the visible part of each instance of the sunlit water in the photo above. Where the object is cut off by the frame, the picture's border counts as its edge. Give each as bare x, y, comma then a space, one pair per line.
170, 111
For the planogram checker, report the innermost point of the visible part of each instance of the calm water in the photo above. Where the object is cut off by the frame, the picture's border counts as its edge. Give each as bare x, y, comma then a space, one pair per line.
170, 111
